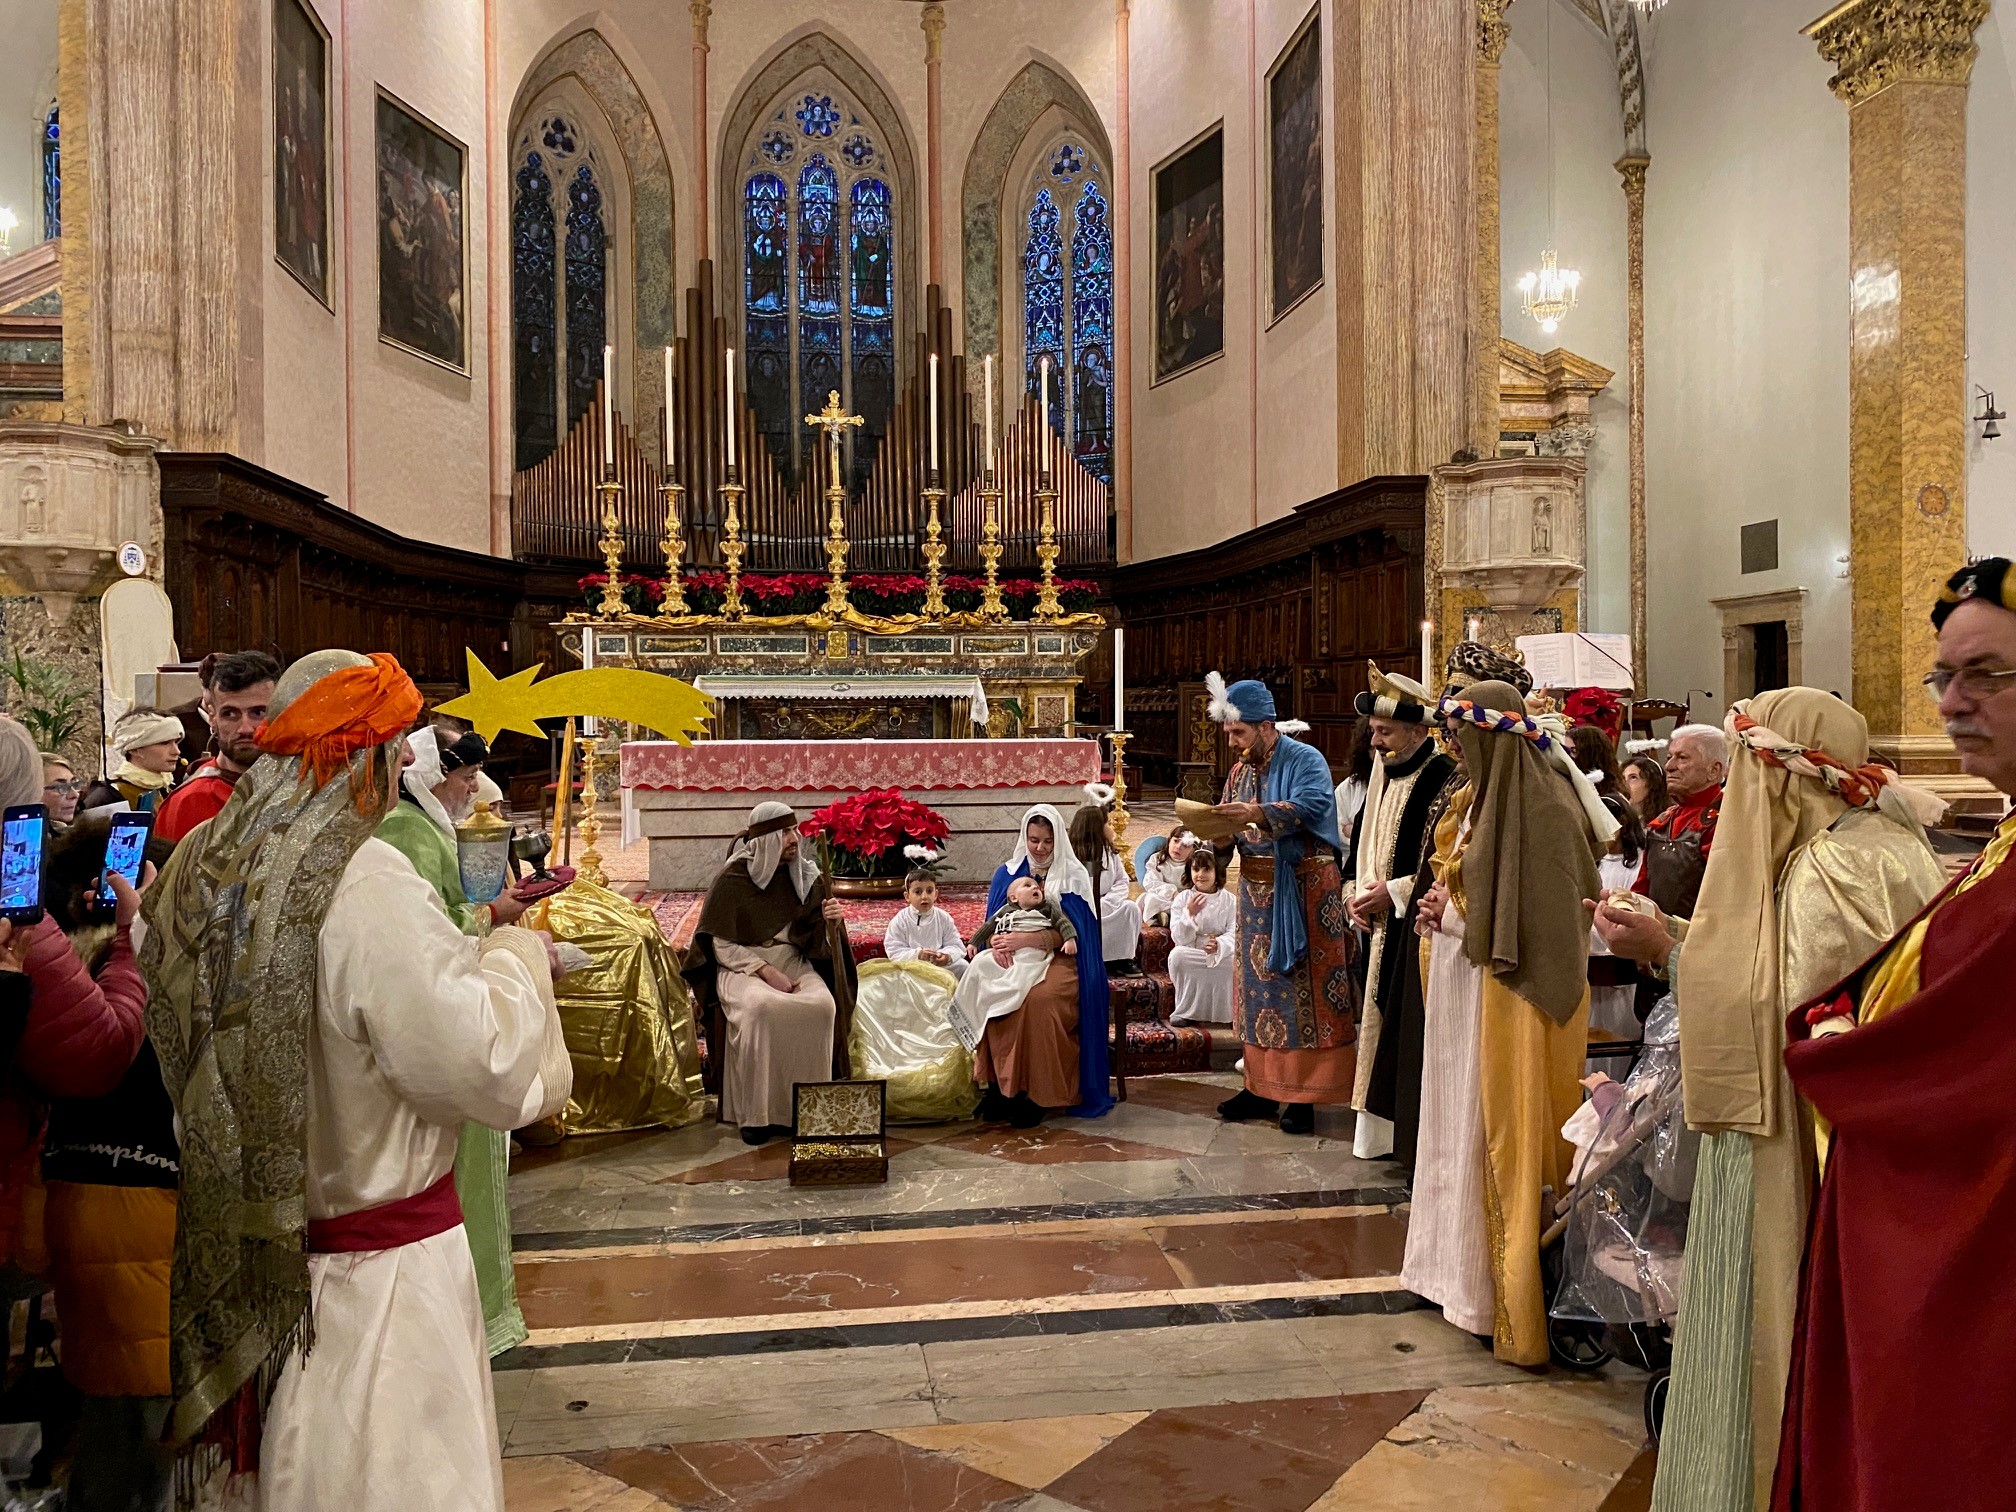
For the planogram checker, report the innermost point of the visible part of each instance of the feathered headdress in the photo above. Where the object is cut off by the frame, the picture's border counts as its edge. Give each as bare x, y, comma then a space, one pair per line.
1220, 708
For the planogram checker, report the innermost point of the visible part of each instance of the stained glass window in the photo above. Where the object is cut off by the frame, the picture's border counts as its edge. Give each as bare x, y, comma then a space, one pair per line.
1067, 301
560, 251
587, 301
534, 326
819, 277
52, 177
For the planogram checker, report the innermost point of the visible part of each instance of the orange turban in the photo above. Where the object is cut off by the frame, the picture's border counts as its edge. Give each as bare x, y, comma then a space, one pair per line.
350, 710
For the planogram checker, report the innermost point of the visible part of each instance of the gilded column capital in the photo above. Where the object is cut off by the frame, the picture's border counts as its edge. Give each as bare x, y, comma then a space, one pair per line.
1876, 43
701, 11
934, 29
1632, 167
1493, 31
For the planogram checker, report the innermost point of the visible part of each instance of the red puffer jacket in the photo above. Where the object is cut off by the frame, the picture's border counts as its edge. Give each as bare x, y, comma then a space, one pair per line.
80, 1038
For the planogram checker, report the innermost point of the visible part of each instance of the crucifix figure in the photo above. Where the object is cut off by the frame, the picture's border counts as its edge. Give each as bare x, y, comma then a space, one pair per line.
833, 420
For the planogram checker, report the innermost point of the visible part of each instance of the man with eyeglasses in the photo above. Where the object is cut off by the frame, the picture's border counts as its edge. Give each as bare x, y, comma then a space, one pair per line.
1899, 1393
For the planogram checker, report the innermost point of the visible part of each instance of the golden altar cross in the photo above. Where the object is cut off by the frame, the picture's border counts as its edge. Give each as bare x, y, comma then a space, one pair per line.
833, 420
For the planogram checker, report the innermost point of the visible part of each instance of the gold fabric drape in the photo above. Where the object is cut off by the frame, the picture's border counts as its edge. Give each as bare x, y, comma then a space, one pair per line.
627, 1017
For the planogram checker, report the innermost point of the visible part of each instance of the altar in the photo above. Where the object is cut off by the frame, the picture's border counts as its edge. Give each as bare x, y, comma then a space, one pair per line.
690, 801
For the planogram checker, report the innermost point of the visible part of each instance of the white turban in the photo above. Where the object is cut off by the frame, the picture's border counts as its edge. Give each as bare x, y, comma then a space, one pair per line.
766, 852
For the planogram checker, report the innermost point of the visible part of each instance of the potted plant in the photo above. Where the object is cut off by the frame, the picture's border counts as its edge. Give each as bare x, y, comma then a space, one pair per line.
866, 836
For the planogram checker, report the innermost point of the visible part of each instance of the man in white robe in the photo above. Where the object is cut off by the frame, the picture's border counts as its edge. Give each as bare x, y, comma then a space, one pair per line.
405, 1030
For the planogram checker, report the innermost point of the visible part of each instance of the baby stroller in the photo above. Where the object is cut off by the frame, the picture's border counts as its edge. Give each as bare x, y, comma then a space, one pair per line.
1613, 1251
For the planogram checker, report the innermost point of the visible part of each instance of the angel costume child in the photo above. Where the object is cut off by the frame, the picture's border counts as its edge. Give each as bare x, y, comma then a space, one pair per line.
1204, 923
1166, 874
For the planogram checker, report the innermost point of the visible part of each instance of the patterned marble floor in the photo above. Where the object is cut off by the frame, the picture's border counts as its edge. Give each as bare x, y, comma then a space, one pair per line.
1156, 1310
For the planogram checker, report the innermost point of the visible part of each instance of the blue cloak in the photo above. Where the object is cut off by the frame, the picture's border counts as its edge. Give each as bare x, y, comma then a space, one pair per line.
1095, 1062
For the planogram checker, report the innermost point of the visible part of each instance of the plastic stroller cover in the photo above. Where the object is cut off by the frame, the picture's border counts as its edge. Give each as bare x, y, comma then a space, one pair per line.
1623, 1243
902, 1035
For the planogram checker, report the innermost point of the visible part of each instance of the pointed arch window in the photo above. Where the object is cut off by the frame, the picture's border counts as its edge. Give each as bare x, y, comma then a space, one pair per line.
559, 282
1067, 298
819, 238
52, 176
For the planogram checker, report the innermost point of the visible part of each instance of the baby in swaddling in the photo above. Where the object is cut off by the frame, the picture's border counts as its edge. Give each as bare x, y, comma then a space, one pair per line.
1011, 954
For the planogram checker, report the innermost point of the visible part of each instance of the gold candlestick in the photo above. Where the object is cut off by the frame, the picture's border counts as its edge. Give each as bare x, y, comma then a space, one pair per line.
935, 607
1118, 739
732, 547
674, 601
1047, 607
834, 421
991, 607
612, 605
590, 869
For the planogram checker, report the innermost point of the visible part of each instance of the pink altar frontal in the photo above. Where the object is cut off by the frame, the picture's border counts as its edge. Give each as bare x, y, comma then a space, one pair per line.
689, 801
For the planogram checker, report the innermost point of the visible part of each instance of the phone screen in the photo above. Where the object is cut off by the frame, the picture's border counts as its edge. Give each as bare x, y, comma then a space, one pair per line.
125, 850
21, 861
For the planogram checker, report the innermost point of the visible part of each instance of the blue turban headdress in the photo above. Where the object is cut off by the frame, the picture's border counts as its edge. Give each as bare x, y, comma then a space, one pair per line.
1247, 701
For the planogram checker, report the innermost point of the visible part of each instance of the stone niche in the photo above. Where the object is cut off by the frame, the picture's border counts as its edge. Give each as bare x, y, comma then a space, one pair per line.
1512, 538
70, 496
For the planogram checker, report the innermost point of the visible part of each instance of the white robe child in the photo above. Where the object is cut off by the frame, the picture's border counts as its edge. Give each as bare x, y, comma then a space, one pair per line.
1119, 914
1203, 978
417, 1029
1159, 885
990, 990
911, 932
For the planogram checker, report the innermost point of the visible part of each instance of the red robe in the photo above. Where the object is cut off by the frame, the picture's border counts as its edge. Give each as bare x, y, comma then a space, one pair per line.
1903, 1384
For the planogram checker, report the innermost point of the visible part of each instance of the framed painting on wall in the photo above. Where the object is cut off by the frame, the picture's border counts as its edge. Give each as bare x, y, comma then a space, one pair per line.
301, 145
1190, 256
1295, 166
422, 256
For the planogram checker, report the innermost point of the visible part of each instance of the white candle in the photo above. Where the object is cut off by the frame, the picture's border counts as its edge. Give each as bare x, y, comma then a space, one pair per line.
1475, 625
730, 374
1119, 677
588, 665
1046, 413
670, 416
1427, 651
934, 412
990, 411
608, 406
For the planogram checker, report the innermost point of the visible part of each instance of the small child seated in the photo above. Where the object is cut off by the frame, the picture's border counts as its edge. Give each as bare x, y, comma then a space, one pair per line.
1168, 874
924, 931
1203, 923
1011, 954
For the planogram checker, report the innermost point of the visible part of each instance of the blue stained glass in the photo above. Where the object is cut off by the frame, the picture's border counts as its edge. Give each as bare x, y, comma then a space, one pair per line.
559, 137
1092, 334
767, 300
871, 299
769, 251
587, 290
776, 145
819, 276
1066, 162
817, 116
1043, 293
52, 176
859, 151
533, 315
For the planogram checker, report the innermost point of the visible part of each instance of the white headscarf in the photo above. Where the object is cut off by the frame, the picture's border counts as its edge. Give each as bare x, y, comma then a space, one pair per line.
766, 852
1067, 873
425, 775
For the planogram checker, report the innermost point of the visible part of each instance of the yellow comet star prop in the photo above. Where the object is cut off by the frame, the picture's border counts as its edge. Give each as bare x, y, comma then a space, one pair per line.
673, 708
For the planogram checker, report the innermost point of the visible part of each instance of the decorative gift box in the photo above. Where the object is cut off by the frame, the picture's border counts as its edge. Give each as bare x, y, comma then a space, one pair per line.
839, 1133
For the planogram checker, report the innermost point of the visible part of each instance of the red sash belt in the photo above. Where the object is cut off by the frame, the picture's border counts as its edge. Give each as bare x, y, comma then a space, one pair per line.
389, 1225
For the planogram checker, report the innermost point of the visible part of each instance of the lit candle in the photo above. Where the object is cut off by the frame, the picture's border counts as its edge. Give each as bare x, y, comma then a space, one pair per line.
1427, 650
1046, 414
990, 411
730, 374
934, 412
608, 409
1119, 677
1476, 624
670, 412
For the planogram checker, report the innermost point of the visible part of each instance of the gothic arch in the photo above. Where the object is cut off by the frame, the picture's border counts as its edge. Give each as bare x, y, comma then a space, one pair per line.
1039, 94
586, 61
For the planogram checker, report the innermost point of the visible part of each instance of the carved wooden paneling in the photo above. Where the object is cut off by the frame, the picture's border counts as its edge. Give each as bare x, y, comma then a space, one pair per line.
1304, 603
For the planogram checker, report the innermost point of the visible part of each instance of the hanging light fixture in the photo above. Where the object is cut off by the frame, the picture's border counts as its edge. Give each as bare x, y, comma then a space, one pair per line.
1646, 7
1550, 293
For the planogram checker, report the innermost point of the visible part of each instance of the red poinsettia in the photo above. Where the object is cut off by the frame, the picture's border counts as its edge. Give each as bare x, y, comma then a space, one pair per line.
869, 830
1596, 706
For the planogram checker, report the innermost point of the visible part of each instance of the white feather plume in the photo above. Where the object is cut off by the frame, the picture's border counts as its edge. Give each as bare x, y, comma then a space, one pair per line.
1292, 726
1220, 707
1640, 747
1100, 793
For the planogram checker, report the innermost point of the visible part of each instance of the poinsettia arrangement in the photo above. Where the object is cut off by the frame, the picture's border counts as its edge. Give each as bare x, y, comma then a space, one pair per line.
1596, 706
868, 833
784, 593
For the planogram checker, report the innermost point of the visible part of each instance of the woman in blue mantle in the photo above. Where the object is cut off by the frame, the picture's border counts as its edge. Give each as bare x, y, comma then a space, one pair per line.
1051, 1052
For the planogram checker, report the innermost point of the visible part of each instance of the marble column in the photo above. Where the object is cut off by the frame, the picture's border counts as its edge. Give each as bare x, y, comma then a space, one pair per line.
1903, 67
1633, 168
1123, 292
703, 246
934, 118
1492, 35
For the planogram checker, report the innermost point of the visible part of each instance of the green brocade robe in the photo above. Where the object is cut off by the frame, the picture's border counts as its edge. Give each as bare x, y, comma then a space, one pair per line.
483, 1157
